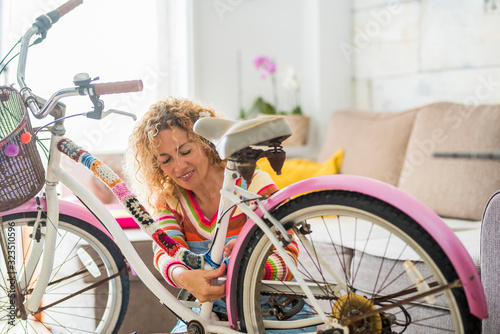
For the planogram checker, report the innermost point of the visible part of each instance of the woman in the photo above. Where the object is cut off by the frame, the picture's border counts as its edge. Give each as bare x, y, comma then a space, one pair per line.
180, 176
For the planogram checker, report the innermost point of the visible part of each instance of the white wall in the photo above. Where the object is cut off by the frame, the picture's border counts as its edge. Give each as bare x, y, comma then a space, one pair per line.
411, 53
303, 34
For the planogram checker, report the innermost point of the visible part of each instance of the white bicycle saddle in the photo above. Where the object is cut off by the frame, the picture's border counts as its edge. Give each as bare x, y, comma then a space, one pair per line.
231, 136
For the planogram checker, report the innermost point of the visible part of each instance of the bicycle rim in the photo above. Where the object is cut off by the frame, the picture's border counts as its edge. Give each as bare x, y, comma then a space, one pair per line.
366, 243
84, 256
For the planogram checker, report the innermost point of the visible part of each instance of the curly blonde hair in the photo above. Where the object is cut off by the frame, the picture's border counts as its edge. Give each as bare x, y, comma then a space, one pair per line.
142, 164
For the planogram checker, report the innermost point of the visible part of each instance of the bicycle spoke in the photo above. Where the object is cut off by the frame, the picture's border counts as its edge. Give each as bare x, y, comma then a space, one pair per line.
70, 252
366, 245
355, 318
67, 280
126, 270
78, 273
363, 252
72, 291
344, 261
52, 310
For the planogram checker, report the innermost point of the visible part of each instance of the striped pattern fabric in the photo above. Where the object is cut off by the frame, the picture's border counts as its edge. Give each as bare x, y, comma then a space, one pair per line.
276, 268
187, 224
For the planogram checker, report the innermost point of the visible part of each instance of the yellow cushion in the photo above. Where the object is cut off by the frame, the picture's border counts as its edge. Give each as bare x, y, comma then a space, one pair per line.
295, 170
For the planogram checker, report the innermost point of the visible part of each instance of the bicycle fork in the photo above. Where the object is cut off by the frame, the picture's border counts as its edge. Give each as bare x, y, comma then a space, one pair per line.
50, 237
19, 281
43, 245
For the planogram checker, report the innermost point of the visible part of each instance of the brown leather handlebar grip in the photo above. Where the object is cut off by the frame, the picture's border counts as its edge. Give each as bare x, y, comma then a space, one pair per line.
118, 87
68, 7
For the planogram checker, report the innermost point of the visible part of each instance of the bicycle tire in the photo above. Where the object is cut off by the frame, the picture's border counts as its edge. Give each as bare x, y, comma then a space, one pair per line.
351, 242
98, 310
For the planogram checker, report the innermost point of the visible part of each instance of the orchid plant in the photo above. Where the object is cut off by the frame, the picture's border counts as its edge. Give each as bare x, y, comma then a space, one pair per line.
266, 67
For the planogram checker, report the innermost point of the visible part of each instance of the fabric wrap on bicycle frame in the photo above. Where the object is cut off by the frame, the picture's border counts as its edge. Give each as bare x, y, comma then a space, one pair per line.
131, 204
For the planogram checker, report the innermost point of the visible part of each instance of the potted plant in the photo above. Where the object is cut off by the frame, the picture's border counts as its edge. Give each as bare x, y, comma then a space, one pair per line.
297, 120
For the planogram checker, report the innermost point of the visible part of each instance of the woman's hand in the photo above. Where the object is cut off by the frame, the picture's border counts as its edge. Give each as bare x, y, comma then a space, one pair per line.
228, 248
200, 283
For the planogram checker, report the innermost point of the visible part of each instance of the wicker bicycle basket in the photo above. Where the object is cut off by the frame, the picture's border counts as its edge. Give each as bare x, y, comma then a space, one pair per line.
21, 170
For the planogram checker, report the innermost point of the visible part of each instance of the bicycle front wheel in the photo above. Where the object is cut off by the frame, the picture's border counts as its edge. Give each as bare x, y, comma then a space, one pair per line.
89, 285
367, 264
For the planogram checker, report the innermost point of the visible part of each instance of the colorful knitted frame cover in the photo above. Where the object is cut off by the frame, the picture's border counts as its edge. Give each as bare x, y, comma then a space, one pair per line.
131, 204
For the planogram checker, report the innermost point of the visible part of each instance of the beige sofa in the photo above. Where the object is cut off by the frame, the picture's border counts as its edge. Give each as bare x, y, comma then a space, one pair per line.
398, 148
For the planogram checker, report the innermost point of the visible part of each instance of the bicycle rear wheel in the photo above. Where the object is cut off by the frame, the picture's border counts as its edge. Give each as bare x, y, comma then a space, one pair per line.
373, 250
85, 258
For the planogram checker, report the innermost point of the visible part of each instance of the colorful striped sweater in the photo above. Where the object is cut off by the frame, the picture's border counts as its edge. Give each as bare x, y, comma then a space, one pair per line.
183, 220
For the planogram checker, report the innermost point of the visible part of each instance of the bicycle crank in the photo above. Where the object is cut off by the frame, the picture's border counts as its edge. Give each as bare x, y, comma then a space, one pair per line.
283, 308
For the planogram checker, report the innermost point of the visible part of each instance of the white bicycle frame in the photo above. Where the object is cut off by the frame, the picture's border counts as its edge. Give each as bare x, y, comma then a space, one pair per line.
56, 174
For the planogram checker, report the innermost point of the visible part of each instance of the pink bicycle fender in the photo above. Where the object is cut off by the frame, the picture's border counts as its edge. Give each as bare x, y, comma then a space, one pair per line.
424, 216
65, 208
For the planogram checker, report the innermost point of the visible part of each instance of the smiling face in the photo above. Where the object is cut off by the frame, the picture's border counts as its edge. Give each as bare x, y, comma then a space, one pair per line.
183, 160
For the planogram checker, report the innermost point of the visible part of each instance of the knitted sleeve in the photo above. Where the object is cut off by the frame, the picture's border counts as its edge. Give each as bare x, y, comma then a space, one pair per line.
167, 219
275, 268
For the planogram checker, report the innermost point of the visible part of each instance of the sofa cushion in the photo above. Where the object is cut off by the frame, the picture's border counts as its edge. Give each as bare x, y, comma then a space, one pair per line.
457, 188
374, 143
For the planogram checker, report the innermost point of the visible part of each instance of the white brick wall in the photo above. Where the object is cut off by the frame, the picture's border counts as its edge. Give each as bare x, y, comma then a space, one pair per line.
409, 53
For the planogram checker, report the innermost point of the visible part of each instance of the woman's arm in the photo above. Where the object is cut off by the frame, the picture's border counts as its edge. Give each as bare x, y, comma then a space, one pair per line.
200, 283
167, 220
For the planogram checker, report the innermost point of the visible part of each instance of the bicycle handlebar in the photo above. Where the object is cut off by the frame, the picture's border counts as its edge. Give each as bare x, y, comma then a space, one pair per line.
68, 7
118, 87
94, 89
44, 22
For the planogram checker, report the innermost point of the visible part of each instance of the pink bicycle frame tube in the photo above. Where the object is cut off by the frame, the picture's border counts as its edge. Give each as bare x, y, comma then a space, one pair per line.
65, 208
424, 216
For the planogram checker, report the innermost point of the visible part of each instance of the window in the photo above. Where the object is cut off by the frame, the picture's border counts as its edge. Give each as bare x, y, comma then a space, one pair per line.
114, 39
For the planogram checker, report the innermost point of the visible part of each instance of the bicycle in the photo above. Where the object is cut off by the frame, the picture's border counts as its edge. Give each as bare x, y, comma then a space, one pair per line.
371, 256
